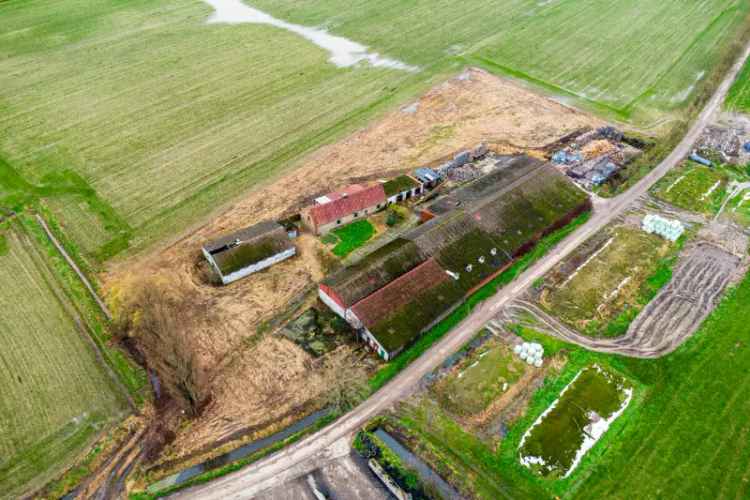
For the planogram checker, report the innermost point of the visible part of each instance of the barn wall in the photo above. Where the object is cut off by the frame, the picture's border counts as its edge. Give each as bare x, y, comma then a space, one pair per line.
258, 266
331, 302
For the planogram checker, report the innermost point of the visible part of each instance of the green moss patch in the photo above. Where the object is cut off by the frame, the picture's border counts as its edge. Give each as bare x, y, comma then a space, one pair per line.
399, 185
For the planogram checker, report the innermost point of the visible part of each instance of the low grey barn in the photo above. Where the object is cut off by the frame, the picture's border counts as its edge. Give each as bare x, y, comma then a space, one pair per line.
249, 250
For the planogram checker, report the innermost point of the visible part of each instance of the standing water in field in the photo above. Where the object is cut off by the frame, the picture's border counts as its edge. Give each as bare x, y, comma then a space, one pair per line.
571, 426
344, 52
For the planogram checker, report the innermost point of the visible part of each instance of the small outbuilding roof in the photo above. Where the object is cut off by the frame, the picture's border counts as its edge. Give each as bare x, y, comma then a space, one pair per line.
248, 246
345, 202
399, 185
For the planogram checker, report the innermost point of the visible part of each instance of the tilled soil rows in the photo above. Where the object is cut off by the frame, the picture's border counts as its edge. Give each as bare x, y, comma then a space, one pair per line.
678, 310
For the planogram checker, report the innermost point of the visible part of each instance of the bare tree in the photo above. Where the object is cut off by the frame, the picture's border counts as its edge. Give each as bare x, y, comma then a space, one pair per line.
161, 321
346, 379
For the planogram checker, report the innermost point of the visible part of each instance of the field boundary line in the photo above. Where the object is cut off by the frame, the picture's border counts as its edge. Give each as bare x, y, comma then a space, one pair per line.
85, 330
74, 266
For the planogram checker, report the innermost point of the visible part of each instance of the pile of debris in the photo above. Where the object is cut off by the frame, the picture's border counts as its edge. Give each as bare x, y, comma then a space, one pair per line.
453, 168
595, 156
731, 144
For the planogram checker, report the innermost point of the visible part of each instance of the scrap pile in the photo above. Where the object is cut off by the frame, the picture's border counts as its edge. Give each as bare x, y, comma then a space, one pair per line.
462, 168
595, 156
728, 142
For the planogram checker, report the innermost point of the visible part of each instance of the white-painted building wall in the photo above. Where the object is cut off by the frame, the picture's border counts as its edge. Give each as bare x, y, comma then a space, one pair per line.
332, 304
253, 268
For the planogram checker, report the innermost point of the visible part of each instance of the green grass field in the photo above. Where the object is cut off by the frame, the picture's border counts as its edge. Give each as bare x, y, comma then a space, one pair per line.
738, 98
352, 236
55, 395
693, 187
165, 117
480, 379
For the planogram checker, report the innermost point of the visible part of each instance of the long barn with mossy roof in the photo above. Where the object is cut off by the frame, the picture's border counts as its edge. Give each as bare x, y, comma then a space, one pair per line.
468, 238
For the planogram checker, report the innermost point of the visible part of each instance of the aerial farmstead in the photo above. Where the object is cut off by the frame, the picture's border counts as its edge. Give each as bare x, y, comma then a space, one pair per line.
468, 237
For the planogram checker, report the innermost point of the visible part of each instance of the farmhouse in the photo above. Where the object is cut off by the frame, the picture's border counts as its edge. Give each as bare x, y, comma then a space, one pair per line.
468, 238
248, 251
402, 188
342, 207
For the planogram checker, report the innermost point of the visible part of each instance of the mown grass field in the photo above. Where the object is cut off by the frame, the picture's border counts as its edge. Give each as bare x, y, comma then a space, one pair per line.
166, 118
55, 395
352, 236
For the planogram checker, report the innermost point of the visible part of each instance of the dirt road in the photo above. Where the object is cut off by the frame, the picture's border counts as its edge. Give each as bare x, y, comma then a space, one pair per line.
246, 482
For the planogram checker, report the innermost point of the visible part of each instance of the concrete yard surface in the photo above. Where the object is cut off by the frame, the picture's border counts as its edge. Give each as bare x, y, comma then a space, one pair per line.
346, 478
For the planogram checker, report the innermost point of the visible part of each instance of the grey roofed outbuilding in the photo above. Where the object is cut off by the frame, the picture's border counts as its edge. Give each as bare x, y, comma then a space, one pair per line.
243, 235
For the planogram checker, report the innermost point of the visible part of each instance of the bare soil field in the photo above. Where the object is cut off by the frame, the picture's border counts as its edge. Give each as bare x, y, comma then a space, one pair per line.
259, 378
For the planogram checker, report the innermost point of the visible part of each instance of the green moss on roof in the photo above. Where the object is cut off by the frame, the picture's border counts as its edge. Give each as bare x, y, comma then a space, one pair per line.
379, 268
399, 185
247, 254
405, 325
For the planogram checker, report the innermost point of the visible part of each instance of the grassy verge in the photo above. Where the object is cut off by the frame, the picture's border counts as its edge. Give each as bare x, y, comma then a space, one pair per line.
426, 341
132, 376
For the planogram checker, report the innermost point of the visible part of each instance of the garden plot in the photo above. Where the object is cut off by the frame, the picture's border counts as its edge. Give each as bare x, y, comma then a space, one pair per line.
571, 426
693, 187
480, 379
679, 308
600, 288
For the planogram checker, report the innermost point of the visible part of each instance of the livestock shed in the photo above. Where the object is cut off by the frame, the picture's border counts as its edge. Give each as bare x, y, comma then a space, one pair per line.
406, 287
402, 188
249, 250
342, 207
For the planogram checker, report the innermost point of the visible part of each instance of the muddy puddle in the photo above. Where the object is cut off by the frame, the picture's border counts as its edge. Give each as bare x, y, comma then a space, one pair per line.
571, 426
343, 52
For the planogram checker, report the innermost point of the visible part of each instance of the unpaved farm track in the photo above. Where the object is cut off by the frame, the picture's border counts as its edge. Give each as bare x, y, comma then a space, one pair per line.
248, 482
